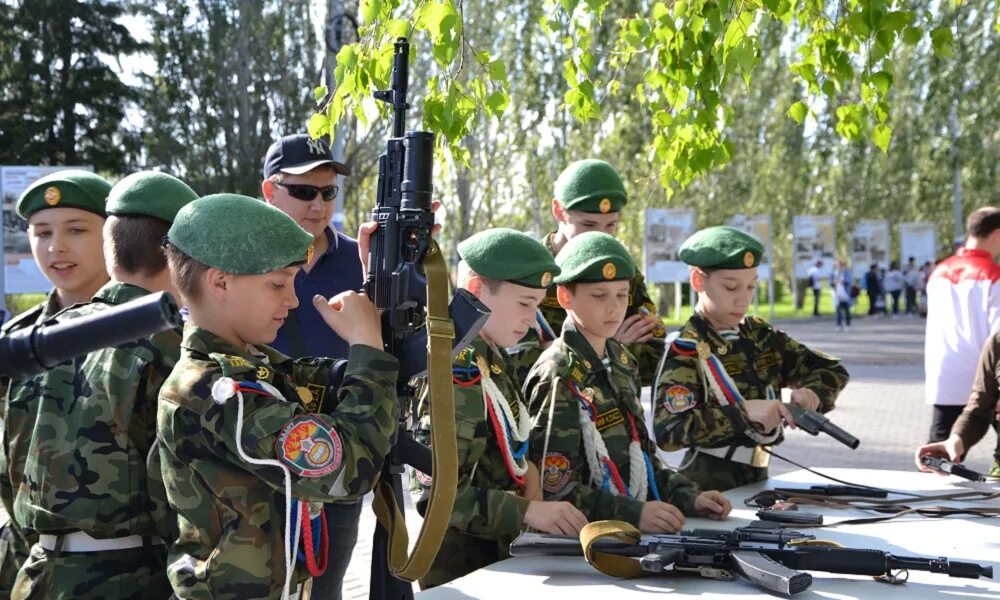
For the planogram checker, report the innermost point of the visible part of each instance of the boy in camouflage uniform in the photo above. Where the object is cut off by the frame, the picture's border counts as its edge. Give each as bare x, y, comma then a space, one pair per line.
589, 194
252, 441
65, 213
590, 439
717, 391
101, 520
498, 489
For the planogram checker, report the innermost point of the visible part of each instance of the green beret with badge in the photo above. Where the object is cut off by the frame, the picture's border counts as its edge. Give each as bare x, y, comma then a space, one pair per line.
594, 257
71, 188
149, 193
722, 247
238, 234
591, 186
509, 255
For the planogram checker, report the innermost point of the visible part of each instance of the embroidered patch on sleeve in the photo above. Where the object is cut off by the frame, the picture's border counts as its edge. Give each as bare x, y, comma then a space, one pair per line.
556, 472
609, 419
678, 399
309, 447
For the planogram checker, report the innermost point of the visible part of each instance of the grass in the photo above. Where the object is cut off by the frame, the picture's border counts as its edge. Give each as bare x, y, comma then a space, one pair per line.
785, 309
18, 303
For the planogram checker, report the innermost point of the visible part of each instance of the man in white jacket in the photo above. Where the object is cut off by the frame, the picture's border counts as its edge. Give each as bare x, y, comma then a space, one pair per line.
963, 311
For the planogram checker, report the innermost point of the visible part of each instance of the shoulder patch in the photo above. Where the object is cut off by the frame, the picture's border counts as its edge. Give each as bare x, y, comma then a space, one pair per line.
556, 472
309, 447
678, 399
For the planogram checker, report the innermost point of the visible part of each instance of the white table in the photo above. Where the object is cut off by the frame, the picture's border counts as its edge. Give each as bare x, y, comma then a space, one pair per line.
958, 538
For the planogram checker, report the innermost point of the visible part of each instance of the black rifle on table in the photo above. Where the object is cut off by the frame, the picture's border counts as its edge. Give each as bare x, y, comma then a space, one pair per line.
946, 466
770, 558
34, 349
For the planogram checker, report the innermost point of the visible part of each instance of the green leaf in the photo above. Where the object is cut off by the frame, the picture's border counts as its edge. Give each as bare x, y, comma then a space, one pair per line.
319, 93
942, 41
882, 135
798, 112
497, 103
881, 80
737, 29
319, 125
569, 6
498, 70
881, 111
370, 10
912, 35
897, 20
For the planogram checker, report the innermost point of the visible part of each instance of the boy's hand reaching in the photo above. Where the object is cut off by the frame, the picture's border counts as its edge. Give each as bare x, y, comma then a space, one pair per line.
713, 505
353, 317
555, 517
660, 517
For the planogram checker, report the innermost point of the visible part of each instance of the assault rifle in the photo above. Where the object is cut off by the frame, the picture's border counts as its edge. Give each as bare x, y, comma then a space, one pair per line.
770, 558
407, 281
34, 349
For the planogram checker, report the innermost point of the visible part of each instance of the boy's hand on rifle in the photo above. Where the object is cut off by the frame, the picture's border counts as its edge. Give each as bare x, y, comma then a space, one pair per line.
367, 229
660, 517
554, 517
353, 317
952, 448
768, 414
806, 398
713, 505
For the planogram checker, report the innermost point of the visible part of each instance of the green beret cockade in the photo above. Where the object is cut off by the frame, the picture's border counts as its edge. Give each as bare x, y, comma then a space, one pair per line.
721, 247
71, 188
591, 186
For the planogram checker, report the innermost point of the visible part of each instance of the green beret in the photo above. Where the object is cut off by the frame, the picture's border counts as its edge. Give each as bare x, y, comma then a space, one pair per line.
238, 234
591, 186
71, 188
721, 247
509, 255
593, 257
150, 193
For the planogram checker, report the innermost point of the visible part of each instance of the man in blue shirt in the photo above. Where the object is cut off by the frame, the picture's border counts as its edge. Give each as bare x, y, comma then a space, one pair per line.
300, 179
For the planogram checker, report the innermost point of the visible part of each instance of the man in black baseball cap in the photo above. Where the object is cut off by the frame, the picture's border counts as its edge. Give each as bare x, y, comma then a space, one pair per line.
300, 179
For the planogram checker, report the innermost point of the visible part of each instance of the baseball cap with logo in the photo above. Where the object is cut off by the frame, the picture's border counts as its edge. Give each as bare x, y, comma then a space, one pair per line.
298, 154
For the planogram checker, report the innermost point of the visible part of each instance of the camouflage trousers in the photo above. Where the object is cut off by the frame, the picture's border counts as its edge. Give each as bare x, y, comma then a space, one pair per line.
713, 473
131, 574
13, 552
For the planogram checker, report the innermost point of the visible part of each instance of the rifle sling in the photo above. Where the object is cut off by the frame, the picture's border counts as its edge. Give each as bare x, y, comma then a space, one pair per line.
444, 451
897, 508
611, 564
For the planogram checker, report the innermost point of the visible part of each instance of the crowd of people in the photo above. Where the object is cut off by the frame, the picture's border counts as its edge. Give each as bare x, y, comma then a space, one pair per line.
182, 464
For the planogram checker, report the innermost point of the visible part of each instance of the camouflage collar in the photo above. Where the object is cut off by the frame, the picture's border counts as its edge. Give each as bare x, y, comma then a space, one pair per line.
547, 241
36, 314
707, 332
580, 348
233, 360
117, 292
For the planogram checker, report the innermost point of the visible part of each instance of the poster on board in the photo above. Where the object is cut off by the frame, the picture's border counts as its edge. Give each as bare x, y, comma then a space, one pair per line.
758, 226
919, 240
813, 240
666, 230
870, 244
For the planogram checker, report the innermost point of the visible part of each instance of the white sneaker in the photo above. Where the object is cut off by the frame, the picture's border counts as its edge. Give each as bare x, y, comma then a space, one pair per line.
840, 328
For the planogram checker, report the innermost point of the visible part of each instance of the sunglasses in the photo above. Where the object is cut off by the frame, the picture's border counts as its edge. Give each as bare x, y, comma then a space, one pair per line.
301, 191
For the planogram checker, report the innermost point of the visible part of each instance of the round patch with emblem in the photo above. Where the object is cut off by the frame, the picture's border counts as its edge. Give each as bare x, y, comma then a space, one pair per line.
555, 473
263, 372
496, 369
309, 447
52, 195
609, 271
722, 351
605, 205
678, 399
748, 259
546, 279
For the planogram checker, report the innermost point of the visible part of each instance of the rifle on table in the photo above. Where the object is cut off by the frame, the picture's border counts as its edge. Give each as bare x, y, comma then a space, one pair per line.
770, 558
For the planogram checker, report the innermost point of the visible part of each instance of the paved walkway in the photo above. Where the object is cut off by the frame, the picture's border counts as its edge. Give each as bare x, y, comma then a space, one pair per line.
883, 406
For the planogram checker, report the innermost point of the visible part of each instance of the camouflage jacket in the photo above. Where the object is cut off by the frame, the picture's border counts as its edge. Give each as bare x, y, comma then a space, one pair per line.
688, 415
648, 354
613, 386
488, 513
983, 408
232, 513
85, 429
